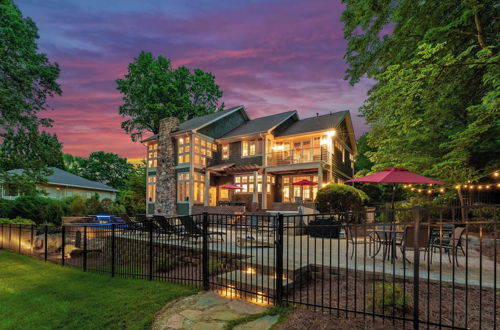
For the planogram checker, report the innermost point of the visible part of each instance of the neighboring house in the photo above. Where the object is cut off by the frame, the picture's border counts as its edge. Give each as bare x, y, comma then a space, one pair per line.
62, 184
188, 163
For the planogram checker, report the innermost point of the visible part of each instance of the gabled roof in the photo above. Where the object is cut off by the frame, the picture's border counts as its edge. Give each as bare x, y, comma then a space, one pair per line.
314, 124
63, 178
260, 125
202, 121
199, 122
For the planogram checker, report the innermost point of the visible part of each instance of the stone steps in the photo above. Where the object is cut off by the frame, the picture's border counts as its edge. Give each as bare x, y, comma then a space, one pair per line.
255, 282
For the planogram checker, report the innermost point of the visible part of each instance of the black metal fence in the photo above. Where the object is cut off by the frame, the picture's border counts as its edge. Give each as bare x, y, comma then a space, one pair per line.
420, 267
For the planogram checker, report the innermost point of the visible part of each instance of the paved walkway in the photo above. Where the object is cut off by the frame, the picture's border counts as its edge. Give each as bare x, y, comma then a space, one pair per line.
208, 311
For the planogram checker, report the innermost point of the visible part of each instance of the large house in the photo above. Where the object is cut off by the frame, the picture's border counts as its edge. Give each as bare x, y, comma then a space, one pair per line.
188, 164
61, 184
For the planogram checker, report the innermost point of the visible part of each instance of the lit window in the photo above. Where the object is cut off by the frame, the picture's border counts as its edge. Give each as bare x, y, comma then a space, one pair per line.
183, 150
225, 151
152, 155
183, 187
152, 188
244, 148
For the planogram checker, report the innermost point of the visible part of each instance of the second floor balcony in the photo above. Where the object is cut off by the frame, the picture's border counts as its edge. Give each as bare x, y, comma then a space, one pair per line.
298, 156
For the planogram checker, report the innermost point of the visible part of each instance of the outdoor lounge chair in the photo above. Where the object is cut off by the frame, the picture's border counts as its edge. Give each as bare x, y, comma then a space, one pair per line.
450, 244
423, 242
192, 230
165, 227
146, 223
131, 224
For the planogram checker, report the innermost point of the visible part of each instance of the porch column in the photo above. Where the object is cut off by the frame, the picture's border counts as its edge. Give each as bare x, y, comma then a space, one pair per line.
320, 177
264, 190
255, 196
206, 197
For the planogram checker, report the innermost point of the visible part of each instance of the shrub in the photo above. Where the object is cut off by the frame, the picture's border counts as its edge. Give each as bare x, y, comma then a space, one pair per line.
106, 205
92, 205
389, 296
39, 209
75, 206
5, 208
340, 198
17, 221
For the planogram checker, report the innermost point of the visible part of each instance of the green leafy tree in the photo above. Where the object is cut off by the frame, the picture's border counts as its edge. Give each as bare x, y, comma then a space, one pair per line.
31, 149
107, 168
152, 89
27, 79
434, 108
133, 195
73, 164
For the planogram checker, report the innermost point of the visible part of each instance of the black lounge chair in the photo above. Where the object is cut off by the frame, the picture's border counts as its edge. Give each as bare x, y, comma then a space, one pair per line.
165, 227
131, 224
146, 223
192, 230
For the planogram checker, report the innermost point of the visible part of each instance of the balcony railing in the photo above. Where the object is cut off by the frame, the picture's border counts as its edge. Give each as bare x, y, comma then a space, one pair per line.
297, 156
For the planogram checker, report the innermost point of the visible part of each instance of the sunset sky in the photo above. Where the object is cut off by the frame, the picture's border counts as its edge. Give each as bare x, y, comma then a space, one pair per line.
270, 56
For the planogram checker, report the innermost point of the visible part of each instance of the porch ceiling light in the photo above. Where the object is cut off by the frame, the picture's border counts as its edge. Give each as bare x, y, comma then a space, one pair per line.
331, 133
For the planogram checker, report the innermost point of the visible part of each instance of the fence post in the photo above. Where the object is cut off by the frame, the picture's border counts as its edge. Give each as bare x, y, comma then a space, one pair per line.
205, 270
113, 250
279, 261
46, 248
63, 239
84, 264
150, 277
416, 269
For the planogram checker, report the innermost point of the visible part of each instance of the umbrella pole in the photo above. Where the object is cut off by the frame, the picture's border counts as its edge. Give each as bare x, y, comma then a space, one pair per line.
393, 194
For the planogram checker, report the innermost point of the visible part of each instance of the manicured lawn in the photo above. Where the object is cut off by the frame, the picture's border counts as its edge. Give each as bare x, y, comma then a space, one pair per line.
35, 295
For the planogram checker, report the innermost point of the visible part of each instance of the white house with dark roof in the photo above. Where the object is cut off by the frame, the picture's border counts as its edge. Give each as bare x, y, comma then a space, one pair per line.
61, 184
189, 163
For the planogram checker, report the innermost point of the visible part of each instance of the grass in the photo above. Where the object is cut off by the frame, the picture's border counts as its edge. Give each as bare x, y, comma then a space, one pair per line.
281, 311
39, 295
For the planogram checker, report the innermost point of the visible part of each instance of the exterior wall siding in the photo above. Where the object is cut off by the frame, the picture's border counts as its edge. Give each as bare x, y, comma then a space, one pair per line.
61, 192
236, 158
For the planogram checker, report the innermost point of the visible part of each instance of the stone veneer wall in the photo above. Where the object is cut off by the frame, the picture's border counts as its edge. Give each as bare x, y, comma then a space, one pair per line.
166, 174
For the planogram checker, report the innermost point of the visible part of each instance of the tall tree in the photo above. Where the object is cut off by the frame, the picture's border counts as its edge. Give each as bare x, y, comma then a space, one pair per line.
31, 149
27, 77
435, 105
105, 167
152, 89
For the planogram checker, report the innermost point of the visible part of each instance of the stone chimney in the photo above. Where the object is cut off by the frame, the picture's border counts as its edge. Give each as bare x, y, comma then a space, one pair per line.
166, 174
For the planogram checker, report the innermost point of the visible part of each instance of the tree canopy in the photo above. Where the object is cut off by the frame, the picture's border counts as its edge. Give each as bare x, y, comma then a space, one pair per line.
31, 149
434, 107
27, 77
152, 89
104, 167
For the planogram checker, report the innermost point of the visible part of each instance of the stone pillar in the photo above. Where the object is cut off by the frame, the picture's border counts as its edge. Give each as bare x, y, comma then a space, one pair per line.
320, 177
166, 198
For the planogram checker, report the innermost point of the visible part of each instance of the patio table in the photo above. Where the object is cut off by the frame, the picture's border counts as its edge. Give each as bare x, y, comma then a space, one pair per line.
388, 238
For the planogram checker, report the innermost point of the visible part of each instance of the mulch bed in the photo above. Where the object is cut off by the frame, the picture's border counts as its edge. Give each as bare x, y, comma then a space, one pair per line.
350, 295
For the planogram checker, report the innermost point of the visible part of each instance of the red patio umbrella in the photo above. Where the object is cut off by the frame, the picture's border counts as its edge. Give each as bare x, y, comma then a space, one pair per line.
231, 186
305, 182
395, 175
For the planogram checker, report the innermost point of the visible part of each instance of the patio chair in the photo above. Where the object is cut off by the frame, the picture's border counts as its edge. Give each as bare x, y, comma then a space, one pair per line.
357, 235
165, 227
146, 223
192, 230
451, 243
131, 224
423, 242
